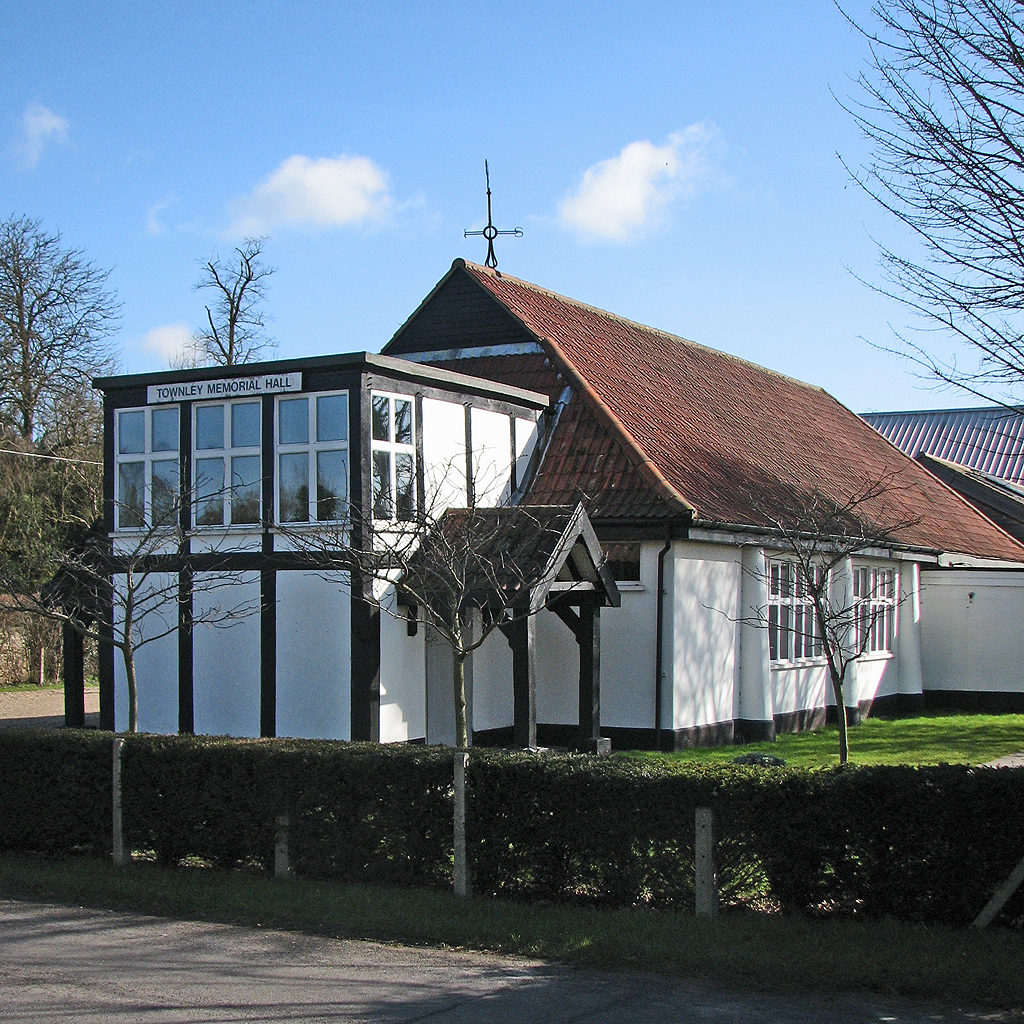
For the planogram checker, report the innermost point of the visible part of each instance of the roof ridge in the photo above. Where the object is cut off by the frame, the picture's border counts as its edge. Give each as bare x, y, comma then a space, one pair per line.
1005, 410
568, 300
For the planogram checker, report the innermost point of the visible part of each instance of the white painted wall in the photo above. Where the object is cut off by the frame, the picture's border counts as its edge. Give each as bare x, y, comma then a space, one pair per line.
226, 673
238, 538
492, 683
908, 668
444, 455
558, 672
156, 661
440, 696
403, 708
755, 699
801, 688
629, 649
492, 457
314, 655
703, 643
971, 636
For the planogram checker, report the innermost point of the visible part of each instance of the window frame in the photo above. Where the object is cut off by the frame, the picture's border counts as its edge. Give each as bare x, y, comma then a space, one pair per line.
312, 447
877, 608
788, 614
227, 453
147, 457
394, 450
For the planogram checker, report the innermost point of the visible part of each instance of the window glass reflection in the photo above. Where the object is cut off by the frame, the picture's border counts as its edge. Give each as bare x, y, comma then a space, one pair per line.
332, 418
293, 494
165, 430
245, 425
131, 432
209, 427
293, 421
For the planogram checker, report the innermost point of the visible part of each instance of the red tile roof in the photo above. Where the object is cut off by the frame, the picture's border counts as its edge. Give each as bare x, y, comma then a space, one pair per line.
661, 421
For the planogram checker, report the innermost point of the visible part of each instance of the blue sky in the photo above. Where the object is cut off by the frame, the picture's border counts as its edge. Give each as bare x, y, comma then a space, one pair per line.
674, 163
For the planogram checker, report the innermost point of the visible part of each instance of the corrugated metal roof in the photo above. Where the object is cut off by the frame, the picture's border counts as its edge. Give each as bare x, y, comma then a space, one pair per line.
988, 440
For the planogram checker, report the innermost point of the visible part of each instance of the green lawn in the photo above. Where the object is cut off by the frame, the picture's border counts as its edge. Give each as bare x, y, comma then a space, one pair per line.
928, 739
740, 951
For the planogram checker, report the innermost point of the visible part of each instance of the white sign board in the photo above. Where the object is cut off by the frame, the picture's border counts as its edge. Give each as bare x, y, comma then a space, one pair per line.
232, 387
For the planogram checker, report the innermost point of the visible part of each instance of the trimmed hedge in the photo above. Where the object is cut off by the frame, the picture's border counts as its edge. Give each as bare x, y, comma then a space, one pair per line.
55, 791
921, 844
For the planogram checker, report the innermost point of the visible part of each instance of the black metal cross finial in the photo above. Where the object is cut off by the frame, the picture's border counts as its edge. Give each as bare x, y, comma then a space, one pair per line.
491, 232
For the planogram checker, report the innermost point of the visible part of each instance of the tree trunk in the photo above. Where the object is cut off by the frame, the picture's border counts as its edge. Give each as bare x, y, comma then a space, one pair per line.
844, 741
459, 683
133, 693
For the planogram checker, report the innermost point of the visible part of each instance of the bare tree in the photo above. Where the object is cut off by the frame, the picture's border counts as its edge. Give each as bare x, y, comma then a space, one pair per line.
942, 104
829, 609
56, 316
128, 591
236, 325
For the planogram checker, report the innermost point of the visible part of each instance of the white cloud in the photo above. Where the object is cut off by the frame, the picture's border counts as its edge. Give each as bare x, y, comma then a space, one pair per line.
154, 225
40, 126
329, 192
628, 194
170, 342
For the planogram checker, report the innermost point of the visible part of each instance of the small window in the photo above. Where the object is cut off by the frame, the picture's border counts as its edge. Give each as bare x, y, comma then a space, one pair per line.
793, 630
228, 464
393, 458
623, 562
147, 478
312, 475
874, 591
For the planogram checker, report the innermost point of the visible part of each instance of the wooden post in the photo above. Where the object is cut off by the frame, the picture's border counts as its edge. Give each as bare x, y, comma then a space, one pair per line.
74, 678
282, 865
1000, 897
120, 853
463, 885
589, 638
522, 638
706, 882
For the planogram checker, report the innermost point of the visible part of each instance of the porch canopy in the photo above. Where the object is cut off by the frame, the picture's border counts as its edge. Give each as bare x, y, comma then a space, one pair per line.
509, 564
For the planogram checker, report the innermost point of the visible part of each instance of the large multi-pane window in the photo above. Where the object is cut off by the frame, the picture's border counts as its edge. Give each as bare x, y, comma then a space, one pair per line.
793, 630
312, 458
227, 467
393, 454
874, 591
146, 453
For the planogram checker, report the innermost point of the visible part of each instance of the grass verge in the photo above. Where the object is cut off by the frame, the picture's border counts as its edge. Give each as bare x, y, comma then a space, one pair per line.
926, 739
750, 951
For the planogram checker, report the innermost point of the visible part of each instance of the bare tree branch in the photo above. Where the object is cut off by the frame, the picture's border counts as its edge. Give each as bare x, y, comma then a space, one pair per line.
236, 326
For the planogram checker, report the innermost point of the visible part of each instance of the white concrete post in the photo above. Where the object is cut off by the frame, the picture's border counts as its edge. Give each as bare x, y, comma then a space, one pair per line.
462, 880
120, 853
706, 881
282, 866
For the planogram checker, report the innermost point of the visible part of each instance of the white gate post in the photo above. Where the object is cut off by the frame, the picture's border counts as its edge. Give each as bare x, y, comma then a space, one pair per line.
120, 854
706, 882
462, 880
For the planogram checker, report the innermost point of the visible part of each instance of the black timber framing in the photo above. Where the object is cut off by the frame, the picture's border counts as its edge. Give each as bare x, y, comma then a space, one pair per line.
585, 625
186, 671
365, 616
268, 652
74, 677
521, 634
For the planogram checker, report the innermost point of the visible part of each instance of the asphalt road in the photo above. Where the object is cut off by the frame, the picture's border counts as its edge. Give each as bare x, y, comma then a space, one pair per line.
71, 964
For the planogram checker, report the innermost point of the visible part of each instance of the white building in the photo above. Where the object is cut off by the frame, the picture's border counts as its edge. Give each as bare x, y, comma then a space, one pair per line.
678, 453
